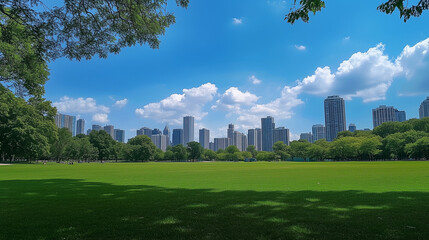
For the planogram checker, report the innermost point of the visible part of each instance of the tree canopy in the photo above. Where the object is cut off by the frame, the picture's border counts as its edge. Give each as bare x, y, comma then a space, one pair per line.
302, 9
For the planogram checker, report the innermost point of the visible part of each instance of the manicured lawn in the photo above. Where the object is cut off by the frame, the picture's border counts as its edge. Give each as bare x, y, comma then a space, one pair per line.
359, 200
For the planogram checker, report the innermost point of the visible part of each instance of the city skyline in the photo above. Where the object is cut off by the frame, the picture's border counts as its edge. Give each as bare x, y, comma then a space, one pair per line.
239, 78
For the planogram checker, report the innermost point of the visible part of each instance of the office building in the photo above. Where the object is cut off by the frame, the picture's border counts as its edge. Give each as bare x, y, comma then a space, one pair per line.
160, 141
400, 116
156, 131
96, 127
383, 114
211, 146
144, 131
110, 130
267, 125
88, 131
221, 143
306, 136
424, 108
178, 137
281, 134
244, 142
238, 140
252, 139
335, 116
188, 129
66, 121
80, 126
120, 135
204, 137
318, 131
258, 139
230, 134
352, 127
166, 131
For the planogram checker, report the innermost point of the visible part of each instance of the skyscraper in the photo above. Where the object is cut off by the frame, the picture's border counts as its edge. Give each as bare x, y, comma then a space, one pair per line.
267, 125
251, 138
144, 131
383, 114
156, 131
238, 140
66, 121
244, 142
120, 135
352, 127
281, 134
160, 141
204, 135
221, 143
80, 126
401, 116
230, 134
306, 136
211, 146
335, 116
424, 108
188, 129
110, 129
166, 131
178, 137
259, 139
318, 131
96, 127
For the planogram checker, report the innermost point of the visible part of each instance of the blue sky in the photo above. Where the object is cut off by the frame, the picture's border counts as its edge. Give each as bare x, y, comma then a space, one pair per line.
237, 61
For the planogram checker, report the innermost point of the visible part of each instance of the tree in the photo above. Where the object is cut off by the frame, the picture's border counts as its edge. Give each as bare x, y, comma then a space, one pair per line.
180, 152
299, 148
252, 150
141, 148
418, 149
281, 150
317, 152
394, 144
302, 10
246, 155
369, 147
195, 150
103, 142
345, 148
58, 149
388, 128
265, 156
209, 155
232, 149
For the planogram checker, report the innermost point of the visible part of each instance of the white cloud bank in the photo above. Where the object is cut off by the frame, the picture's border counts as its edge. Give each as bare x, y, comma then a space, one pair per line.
121, 103
100, 118
300, 47
173, 108
83, 106
237, 21
255, 80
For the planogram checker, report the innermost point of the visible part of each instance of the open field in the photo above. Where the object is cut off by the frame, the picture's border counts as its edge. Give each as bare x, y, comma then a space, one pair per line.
351, 200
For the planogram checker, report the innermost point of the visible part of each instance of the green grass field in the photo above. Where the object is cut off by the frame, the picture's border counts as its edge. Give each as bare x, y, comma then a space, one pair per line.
358, 200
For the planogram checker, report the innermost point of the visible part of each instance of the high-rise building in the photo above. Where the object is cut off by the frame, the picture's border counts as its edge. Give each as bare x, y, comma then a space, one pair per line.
383, 114
144, 131
88, 131
267, 125
120, 135
230, 134
211, 146
178, 137
221, 143
156, 131
352, 127
66, 121
96, 127
160, 141
259, 139
80, 126
244, 142
400, 116
281, 134
424, 108
204, 135
166, 131
110, 130
335, 116
251, 138
306, 136
188, 129
318, 131
238, 140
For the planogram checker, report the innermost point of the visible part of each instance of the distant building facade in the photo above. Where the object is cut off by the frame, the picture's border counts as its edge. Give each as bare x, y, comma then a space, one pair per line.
230, 134
335, 116
281, 134
144, 131
80, 126
401, 116
96, 127
306, 136
160, 141
188, 129
110, 129
120, 135
385, 113
352, 127
66, 121
221, 143
204, 137
424, 108
178, 137
318, 131
267, 125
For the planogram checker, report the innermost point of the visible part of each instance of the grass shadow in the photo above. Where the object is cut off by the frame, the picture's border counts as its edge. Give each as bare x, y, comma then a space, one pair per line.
75, 209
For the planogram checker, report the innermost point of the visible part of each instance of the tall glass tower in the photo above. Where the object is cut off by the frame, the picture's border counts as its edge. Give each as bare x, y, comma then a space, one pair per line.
188, 129
335, 116
267, 125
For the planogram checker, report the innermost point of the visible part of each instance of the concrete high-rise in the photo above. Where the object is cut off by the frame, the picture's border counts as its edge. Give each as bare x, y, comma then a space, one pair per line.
281, 134
230, 134
306, 136
160, 141
66, 121
80, 126
383, 114
267, 125
144, 131
204, 137
238, 140
156, 131
335, 116
400, 116
252, 140
244, 142
221, 143
352, 127
166, 131
188, 129
211, 146
259, 139
96, 127
178, 137
110, 129
119, 135
424, 108
318, 131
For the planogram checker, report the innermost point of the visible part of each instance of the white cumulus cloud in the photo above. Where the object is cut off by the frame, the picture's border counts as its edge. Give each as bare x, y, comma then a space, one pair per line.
237, 21
79, 105
234, 99
300, 47
255, 80
100, 118
121, 103
172, 108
